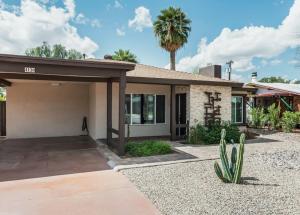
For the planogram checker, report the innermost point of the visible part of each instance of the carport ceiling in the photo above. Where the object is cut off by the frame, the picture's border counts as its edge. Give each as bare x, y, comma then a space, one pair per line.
34, 68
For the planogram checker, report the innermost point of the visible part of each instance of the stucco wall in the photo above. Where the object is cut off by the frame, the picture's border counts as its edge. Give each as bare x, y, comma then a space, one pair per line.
97, 110
198, 98
161, 129
42, 110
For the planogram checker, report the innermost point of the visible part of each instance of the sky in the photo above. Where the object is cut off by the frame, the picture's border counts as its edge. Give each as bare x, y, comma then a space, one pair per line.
259, 36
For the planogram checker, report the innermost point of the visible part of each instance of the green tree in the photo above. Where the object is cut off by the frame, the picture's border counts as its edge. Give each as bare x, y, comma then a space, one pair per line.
124, 55
40, 51
74, 55
59, 51
172, 29
56, 51
274, 79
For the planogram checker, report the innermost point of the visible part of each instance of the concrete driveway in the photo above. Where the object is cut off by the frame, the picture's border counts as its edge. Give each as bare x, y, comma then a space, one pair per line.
63, 175
42, 157
101, 192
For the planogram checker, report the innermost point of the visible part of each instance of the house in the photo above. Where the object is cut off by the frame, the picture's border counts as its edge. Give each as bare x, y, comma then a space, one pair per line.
287, 96
54, 97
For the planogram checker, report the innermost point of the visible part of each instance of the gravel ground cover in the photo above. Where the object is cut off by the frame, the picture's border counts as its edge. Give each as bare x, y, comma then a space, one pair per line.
271, 182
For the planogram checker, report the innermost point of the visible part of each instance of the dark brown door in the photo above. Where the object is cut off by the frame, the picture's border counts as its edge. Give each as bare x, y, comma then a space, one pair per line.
181, 114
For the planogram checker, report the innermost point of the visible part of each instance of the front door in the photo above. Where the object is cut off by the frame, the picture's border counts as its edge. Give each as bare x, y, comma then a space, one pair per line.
181, 114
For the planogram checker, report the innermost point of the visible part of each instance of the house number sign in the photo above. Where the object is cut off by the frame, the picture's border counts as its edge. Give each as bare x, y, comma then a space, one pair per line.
29, 69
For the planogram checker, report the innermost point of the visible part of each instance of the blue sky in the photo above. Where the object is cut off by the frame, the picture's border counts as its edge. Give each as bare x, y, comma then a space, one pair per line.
261, 46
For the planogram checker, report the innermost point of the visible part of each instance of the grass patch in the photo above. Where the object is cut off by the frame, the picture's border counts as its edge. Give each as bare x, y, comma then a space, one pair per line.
147, 148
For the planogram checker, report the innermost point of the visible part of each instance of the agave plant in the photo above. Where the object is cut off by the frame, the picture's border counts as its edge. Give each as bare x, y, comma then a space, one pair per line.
232, 170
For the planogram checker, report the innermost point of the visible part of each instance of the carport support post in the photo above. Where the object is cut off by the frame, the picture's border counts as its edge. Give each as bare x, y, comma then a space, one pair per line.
173, 112
122, 87
109, 112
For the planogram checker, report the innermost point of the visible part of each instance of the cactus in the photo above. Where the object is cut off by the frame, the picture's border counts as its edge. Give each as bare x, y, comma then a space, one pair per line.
232, 170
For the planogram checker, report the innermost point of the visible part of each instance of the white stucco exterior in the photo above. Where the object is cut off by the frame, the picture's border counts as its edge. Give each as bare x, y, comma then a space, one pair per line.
39, 109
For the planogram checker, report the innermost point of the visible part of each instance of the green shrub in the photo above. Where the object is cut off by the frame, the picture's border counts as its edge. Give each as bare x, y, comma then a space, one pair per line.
274, 116
258, 117
211, 134
147, 148
196, 134
289, 121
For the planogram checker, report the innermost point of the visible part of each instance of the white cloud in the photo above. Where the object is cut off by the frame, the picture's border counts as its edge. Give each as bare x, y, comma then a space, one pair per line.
275, 62
141, 20
36, 23
120, 32
245, 44
95, 23
118, 4
294, 62
272, 62
82, 19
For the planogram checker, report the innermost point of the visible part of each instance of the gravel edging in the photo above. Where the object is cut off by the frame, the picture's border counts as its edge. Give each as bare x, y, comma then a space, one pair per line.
271, 183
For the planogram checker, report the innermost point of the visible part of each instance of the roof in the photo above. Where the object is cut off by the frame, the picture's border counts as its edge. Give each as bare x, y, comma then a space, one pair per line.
151, 74
281, 87
37, 68
66, 62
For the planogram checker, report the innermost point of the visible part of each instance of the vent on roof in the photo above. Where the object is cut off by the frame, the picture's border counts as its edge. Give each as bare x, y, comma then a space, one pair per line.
211, 71
107, 57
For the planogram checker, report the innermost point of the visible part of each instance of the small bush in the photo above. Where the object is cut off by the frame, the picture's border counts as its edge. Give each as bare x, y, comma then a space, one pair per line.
196, 134
211, 135
258, 117
147, 148
289, 121
274, 116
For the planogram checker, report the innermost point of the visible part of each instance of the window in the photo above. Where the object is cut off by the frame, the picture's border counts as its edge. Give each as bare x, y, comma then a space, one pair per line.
237, 109
136, 112
145, 108
160, 109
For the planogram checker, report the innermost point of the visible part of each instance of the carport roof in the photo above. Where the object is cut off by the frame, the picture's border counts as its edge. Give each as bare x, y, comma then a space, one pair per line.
37, 68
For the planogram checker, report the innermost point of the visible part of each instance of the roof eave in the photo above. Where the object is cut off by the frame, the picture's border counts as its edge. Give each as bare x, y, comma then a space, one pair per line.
149, 80
66, 62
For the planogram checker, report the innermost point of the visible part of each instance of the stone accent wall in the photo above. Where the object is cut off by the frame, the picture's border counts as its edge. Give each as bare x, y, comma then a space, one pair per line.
198, 98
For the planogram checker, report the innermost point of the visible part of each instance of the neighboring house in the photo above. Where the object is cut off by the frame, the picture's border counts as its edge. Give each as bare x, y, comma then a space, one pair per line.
50, 97
287, 96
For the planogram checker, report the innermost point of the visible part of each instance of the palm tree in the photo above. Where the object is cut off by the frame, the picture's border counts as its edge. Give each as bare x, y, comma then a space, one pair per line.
124, 55
172, 28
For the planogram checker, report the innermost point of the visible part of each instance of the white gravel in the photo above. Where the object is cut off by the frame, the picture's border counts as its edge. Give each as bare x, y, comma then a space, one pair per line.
271, 183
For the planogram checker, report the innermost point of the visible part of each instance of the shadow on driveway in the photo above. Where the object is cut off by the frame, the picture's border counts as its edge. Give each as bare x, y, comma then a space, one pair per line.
41, 157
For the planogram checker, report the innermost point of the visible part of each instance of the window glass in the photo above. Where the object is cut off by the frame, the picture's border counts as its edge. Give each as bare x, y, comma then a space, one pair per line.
237, 109
127, 108
148, 109
136, 109
160, 109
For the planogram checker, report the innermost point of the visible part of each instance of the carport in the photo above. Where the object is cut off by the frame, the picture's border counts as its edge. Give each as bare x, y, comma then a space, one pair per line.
15, 68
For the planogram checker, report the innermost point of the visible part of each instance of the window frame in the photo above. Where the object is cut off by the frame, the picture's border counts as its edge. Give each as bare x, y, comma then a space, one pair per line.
147, 124
235, 113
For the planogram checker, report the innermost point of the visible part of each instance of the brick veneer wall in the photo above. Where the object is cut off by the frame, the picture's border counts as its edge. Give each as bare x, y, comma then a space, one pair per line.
198, 98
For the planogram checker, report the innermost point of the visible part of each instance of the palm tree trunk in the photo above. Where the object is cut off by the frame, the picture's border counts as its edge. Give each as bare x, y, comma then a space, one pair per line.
172, 60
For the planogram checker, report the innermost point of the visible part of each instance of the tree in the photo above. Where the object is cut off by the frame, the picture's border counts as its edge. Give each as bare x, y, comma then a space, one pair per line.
56, 51
124, 55
172, 29
274, 79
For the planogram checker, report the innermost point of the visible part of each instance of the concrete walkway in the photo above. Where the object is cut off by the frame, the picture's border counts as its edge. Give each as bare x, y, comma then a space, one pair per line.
101, 192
